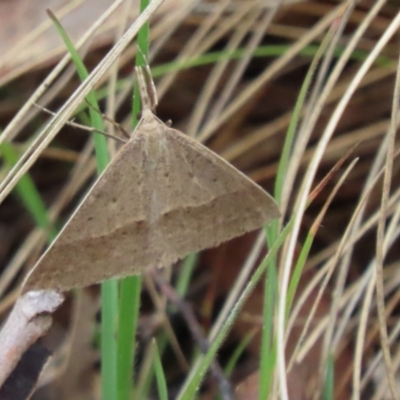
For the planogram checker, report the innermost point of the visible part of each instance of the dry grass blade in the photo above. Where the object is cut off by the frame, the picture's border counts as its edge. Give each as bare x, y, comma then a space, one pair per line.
29, 41
10, 131
275, 67
239, 284
246, 20
255, 39
160, 303
380, 255
56, 123
198, 43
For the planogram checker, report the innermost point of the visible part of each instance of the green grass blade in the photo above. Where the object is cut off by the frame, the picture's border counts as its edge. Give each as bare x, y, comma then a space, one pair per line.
329, 383
129, 303
161, 382
141, 391
239, 350
109, 289
297, 271
186, 273
261, 51
268, 345
130, 287
102, 157
28, 194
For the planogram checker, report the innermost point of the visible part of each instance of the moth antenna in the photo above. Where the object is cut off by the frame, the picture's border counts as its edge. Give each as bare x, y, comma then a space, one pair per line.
84, 127
109, 119
147, 90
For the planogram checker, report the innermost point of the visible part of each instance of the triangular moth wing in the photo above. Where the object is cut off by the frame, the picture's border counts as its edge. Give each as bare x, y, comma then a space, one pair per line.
163, 196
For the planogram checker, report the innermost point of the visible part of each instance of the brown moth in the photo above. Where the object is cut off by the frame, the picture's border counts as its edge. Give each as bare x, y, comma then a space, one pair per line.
162, 197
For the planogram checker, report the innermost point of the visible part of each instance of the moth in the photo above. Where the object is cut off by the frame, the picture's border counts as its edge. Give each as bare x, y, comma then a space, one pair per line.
163, 196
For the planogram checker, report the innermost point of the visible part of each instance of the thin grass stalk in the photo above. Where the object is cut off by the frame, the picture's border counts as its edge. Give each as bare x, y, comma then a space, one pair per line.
130, 287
